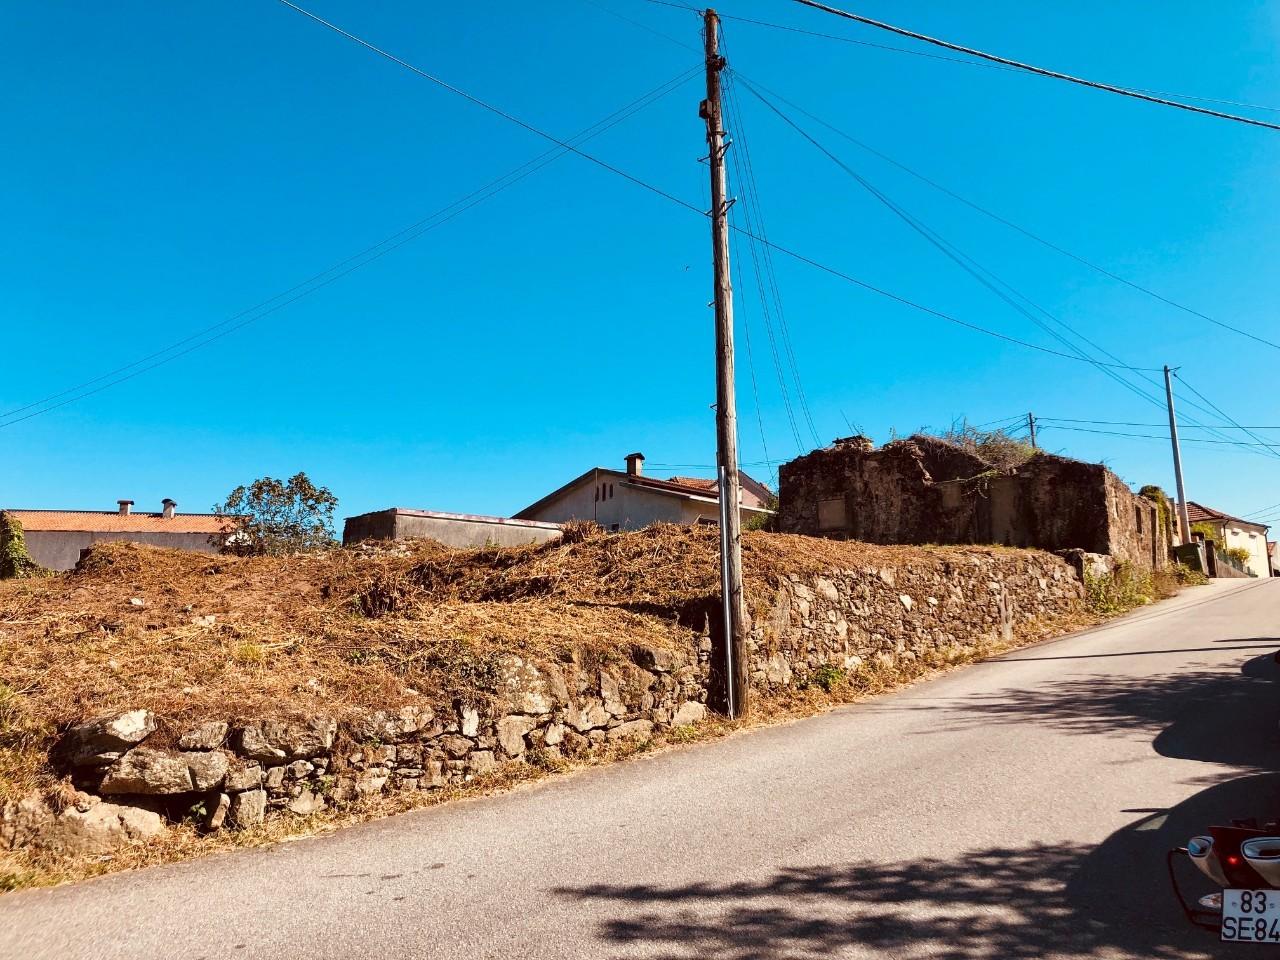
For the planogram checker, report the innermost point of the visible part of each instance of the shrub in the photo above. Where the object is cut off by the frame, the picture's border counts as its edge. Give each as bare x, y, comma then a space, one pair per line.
1239, 554
996, 447
15, 562
270, 517
1119, 591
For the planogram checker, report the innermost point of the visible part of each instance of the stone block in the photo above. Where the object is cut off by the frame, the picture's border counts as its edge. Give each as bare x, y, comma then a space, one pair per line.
248, 809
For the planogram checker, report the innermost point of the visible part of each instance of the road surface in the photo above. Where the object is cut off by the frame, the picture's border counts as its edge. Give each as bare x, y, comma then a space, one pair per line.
1018, 808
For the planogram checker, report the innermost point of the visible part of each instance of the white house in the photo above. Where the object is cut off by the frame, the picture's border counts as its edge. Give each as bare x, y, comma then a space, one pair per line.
628, 500
1234, 532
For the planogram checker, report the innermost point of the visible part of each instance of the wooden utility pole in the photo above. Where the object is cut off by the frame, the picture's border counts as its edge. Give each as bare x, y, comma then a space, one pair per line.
1031, 425
736, 693
1177, 460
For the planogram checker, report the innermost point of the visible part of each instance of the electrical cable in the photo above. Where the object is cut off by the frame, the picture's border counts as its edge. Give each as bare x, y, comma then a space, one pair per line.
753, 210
1031, 68
751, 368
1222, 413
1130, 423
360, 259
1012, 225
1147, 436
920, 53
795, 255
959, 257
567, 146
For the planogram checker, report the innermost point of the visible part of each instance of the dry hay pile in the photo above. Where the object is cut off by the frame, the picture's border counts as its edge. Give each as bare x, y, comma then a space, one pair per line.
194, 636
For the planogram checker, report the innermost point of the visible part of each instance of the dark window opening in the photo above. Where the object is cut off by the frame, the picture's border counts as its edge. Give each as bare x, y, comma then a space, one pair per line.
613, 528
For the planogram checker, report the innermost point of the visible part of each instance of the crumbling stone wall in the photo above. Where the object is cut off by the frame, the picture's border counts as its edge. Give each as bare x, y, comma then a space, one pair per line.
133, 773
943, 604
926, 490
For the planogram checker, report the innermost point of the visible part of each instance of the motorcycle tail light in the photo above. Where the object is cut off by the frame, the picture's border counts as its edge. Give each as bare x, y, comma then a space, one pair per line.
1236, 868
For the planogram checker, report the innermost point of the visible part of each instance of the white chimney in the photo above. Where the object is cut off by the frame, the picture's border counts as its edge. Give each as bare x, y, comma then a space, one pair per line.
124, 507
635, 464
168, 506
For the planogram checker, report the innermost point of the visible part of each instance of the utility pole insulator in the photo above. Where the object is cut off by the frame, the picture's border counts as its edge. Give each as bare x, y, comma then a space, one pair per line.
730, 488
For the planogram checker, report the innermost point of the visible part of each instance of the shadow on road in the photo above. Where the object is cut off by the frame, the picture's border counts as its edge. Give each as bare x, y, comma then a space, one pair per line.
1206, 715
1044, 901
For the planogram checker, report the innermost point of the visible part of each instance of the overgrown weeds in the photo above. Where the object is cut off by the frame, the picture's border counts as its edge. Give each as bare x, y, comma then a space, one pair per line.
1126, 588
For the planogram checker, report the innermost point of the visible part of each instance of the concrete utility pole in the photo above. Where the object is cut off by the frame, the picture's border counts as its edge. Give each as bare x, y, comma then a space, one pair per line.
1031, 425
726, 404
1177, 459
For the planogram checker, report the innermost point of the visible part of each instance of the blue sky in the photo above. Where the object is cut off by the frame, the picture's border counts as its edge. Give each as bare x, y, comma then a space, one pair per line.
167, 166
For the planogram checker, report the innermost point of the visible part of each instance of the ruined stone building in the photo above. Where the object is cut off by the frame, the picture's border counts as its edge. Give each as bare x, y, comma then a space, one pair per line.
927, 490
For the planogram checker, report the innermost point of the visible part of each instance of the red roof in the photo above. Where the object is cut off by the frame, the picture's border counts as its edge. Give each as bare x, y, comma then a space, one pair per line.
754, 493
112, 521
1197, 513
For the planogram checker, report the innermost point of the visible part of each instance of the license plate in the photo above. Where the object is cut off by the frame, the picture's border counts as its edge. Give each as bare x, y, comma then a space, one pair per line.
1251, 916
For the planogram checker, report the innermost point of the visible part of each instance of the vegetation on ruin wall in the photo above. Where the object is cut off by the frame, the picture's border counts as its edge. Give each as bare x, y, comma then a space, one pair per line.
15, 562
1163, 508
996, 447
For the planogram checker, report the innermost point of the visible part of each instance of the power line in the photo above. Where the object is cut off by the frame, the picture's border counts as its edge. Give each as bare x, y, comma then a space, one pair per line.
491, 108
1165, 438
773, 347
1129, 423
674, 199
569, 147
1031, 68
946, 248
361, 259
1168, 301
1015, 226
483, 193
1222, 413
741, 145
960, 258
788, 28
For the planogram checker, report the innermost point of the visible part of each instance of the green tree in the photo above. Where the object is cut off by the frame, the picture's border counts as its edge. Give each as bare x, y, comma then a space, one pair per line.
270, 517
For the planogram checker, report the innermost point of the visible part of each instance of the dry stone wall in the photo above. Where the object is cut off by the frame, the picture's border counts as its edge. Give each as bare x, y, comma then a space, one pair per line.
132, 775
946, 603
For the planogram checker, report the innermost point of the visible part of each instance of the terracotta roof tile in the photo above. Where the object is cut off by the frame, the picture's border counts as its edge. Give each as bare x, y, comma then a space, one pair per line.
111, 521
1197, 513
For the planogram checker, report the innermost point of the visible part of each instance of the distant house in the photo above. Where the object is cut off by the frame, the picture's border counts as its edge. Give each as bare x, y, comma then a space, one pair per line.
451, 529
57, 538
1275, 558
628, 500
1233, 532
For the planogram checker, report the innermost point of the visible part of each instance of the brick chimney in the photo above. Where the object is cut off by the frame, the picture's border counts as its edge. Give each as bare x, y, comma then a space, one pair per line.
124, 507
635, 464
167, 508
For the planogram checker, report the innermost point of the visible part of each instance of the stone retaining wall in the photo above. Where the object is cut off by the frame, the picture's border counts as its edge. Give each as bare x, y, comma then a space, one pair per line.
131, 774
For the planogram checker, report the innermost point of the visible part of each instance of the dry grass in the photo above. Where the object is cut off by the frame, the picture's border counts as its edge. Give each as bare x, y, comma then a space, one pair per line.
185, 842
253, 638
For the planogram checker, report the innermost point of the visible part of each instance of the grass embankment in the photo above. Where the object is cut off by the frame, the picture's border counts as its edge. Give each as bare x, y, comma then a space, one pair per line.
195, 637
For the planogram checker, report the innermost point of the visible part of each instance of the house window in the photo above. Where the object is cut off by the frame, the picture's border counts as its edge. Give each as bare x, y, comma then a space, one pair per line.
613, 528
597, 494
611, 491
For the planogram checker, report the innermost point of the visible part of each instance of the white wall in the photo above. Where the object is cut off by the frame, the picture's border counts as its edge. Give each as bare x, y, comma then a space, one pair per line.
616, 504
1252, 538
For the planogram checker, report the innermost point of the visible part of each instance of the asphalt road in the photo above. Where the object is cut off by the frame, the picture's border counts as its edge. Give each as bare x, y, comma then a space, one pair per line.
1018, 808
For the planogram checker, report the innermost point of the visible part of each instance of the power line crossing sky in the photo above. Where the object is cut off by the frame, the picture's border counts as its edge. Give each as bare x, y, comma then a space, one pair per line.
170, 167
